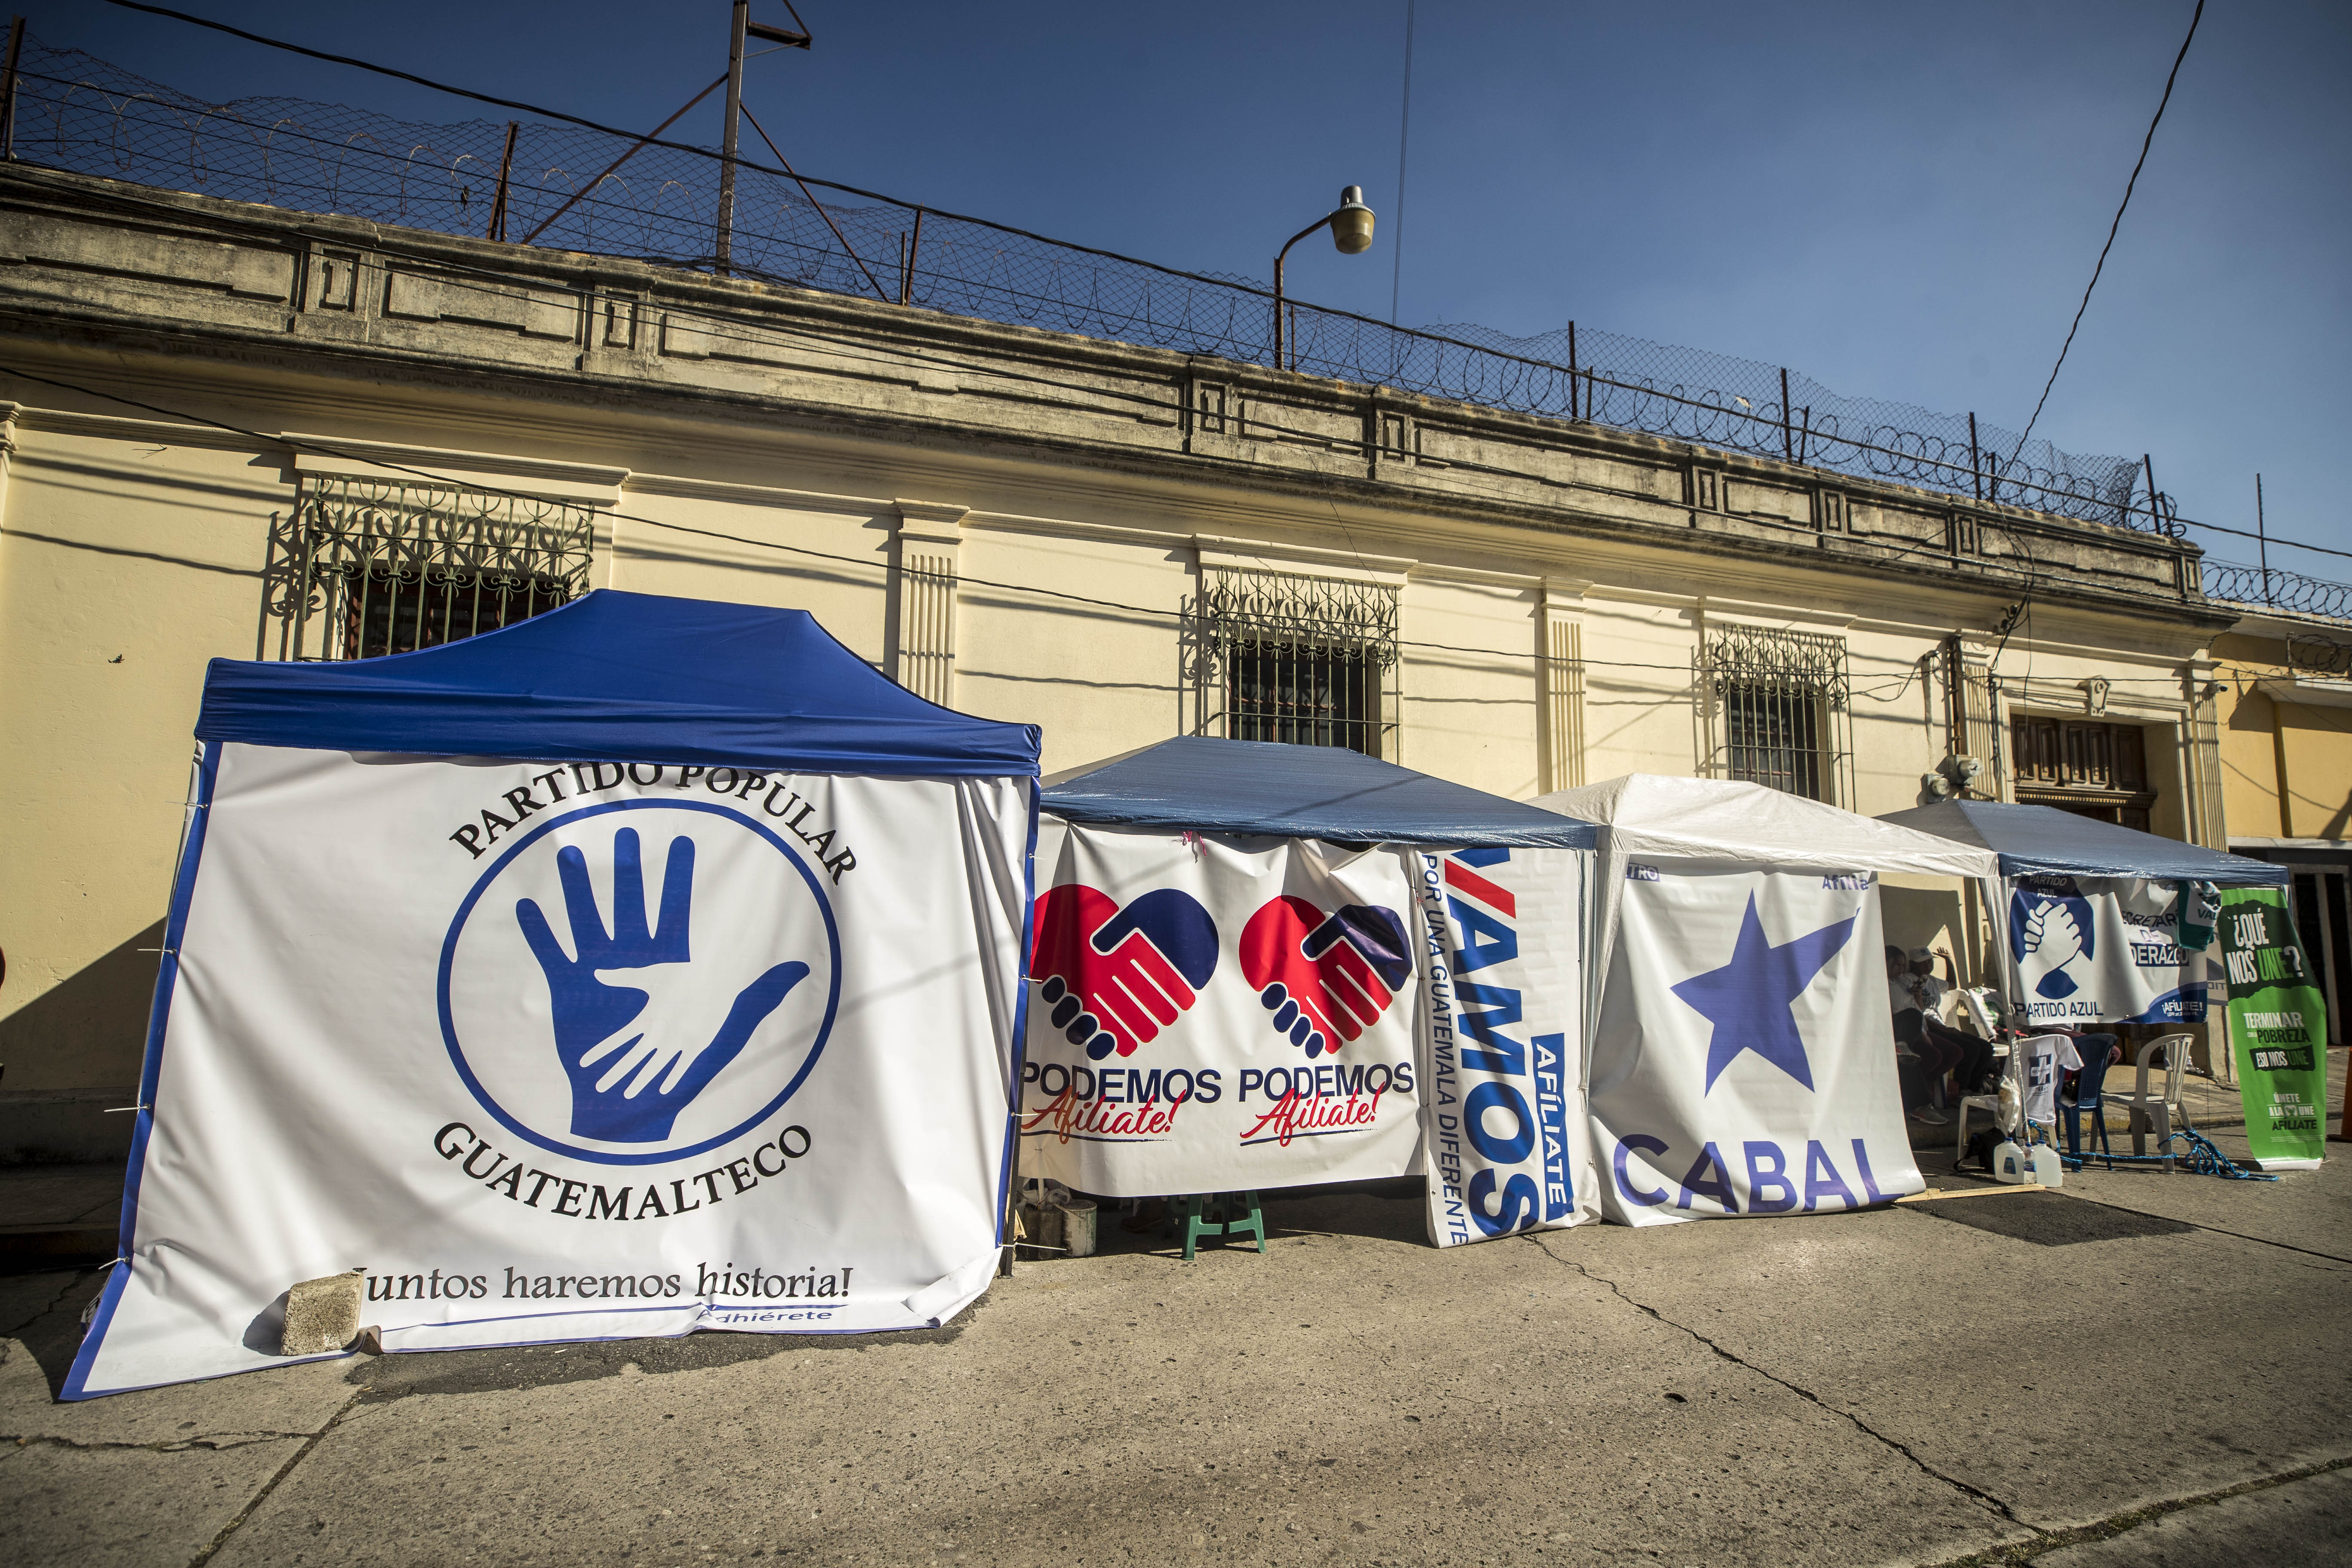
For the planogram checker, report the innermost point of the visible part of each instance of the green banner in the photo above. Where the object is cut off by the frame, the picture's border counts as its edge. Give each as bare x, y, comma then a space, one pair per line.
2278, 1028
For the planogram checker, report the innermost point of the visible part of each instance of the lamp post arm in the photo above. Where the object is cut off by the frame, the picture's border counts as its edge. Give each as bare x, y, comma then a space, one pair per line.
1279, 258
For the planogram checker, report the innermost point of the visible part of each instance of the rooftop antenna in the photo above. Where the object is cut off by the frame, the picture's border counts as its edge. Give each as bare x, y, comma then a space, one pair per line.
2263, 543
740, 29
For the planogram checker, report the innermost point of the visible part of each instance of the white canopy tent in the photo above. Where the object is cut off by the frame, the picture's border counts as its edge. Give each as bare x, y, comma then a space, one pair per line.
1740, 1062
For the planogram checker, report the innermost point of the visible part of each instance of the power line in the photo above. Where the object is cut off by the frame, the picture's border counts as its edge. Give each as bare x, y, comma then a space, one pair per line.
2145, 143
1405, 139
865, 564
1638, 389
502, 286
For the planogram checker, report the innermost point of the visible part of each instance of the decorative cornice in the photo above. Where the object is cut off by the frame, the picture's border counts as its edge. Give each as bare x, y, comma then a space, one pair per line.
393, 461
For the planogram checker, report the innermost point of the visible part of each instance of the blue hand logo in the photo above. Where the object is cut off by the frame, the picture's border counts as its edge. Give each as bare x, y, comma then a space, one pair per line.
629, 1085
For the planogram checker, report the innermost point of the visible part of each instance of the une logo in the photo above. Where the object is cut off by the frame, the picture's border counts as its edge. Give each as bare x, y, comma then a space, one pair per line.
2051, 931
604, 1014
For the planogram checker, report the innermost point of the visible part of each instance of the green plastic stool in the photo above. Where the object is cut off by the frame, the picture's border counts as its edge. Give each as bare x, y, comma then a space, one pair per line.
1234, 1213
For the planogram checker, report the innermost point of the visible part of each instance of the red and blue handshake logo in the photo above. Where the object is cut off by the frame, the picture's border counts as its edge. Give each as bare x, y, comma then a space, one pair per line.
1116, 976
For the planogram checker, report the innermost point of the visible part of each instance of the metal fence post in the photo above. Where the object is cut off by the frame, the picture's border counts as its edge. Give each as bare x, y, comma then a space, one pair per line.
906, 273
1976, 463
1571, 371
1788, 443
735, 30
498, 224
9, 92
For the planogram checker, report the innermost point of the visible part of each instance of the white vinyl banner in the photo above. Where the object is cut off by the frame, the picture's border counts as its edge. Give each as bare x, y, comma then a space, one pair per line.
2103, 950
1744, 1061
1212, 1014
572, 1052
1509, 1146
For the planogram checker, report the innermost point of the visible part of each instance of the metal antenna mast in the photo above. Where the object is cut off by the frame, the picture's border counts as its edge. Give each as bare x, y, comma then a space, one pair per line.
741, 27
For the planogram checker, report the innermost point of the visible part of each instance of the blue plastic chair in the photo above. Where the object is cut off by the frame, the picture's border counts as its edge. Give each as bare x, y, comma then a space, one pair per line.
2089, 1101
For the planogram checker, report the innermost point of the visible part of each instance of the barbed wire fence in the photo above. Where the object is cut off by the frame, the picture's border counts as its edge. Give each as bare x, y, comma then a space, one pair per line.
2277, 589
569, 189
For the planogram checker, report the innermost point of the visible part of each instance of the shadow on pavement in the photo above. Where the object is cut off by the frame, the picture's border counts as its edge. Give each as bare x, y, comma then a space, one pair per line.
43, 1313
509, 1367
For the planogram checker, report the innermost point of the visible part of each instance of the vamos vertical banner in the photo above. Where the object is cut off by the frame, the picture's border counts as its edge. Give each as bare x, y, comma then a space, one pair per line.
1508, 1145
2278, 1030
1744, 1062
569, 1051
1212, 1014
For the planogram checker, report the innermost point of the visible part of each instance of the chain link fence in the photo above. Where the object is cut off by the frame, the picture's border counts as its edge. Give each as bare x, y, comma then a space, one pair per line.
569, 189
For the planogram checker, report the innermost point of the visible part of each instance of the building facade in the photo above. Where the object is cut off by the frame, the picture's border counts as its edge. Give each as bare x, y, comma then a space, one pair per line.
2286, 759
241, 432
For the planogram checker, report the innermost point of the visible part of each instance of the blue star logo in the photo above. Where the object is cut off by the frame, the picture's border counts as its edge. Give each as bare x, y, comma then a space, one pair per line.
1747, 1000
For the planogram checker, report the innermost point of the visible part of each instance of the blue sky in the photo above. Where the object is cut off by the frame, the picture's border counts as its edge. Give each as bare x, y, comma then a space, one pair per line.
1902, 200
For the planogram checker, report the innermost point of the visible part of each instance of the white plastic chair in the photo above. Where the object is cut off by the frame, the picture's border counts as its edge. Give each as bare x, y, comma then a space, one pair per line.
1988, 1103
1980, 1003
2158, 1109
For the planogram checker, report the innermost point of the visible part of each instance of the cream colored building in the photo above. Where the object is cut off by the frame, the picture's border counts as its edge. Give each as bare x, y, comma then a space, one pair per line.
235, 432
2286, 761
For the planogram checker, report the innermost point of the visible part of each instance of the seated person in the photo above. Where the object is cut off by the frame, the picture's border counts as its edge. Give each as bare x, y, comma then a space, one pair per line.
1916, 1070
1919, 1000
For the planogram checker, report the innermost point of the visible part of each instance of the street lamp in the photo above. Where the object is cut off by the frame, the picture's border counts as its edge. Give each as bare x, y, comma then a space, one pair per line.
1351, 230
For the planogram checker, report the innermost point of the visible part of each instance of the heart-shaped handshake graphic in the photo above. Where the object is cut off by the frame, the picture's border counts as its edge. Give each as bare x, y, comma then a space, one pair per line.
1324, 979
1114, 977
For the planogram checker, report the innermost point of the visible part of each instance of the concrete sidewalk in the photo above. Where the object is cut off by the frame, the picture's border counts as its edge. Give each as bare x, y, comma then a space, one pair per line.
2070, 1376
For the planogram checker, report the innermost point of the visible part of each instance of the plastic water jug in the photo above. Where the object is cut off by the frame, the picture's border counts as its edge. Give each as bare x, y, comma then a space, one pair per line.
2010, 1164
2048, 1168
1078, 1228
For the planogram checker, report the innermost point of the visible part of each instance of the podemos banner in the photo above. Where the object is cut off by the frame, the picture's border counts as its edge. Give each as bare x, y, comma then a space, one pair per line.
1508, 1145
2278, 1029
569, 1052
2103, 950
1744, 1062
1210, 1014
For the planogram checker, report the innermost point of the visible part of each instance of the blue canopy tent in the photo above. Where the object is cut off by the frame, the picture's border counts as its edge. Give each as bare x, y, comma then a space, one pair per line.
339, 970
621, 677
2042, 840
1209, 785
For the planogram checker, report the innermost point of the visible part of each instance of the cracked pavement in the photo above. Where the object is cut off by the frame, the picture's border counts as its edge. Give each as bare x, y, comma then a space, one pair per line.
2143, 1375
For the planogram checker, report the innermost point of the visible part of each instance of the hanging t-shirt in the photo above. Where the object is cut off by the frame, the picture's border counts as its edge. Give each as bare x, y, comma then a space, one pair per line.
2040, 1058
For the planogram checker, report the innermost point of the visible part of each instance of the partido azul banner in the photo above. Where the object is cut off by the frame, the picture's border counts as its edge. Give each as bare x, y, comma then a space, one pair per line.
1212, 1014
2278, 1029
2103, 950
1744, 1061
1509, 1147
570, 1051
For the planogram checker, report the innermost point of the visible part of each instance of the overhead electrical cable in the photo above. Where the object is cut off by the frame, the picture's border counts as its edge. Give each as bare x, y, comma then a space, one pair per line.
1404, 141
502, 286
2145, 143
864, 564
1591, 377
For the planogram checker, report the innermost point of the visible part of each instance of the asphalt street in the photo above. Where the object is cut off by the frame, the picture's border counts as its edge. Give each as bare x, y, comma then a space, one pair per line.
2140, 1369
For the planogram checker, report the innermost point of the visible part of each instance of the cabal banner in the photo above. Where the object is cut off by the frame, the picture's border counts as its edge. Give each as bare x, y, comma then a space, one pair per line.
2103, 950
1744, 1061
1508, 1145
570, 1051
1214, 1014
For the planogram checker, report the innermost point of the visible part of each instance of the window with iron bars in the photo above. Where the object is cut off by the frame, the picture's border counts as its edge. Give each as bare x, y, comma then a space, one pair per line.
364, 568
1777, 709
1305, 660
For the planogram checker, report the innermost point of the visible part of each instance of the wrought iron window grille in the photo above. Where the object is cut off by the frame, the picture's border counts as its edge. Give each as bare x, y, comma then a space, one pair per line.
1777, 708
1304, 660
361, 568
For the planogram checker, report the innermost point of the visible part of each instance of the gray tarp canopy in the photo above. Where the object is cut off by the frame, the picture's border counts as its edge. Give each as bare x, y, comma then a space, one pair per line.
1298, 792
2044, 840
